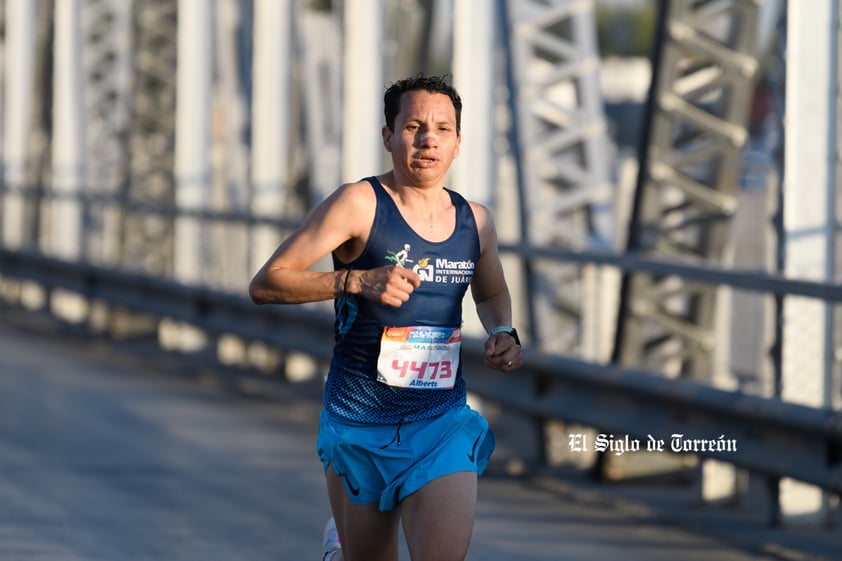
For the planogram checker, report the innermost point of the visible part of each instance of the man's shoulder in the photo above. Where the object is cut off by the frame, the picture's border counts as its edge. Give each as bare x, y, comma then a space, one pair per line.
354, 193
485, 222
352, 203
359, 188
480, 210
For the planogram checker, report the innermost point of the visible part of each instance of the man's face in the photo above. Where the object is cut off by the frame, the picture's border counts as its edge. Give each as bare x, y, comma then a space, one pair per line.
424, 141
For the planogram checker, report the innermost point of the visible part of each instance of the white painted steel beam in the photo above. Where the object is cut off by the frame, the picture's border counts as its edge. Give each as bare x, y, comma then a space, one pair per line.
18, 101
192, 258
810, 224
474, 58
363, 87
65, 222
271, 118
320, 42
192, 147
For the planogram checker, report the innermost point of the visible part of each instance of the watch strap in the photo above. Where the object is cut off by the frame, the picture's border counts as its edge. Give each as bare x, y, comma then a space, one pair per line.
506, 329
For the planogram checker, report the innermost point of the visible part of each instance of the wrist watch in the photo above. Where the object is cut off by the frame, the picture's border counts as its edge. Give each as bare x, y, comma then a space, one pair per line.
507, 329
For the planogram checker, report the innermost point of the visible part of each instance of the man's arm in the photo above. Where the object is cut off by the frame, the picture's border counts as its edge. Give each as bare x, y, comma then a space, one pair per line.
491, 296
286, 279
340, 223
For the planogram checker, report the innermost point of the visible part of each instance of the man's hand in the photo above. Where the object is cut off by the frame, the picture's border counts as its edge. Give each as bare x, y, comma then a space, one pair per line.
390, 285
502, 352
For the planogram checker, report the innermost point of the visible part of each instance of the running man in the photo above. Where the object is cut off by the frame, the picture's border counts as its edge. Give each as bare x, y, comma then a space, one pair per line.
398, 442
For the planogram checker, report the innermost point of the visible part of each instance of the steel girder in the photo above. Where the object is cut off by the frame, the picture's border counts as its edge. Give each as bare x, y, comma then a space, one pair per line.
560, 137
106, 60
147, 239
704, 76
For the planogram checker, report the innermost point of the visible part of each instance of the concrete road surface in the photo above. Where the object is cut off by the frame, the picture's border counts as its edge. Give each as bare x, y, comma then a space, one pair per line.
111, 455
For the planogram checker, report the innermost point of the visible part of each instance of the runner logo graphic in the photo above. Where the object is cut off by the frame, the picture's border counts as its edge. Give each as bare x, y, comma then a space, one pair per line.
401, 257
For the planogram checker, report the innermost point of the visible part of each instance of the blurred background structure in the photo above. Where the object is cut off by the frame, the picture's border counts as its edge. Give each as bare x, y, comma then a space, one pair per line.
666, 178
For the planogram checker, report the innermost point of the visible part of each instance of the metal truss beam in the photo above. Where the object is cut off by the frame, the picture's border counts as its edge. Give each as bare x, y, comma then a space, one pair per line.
147, 240
106, 59
560, 143
699, 107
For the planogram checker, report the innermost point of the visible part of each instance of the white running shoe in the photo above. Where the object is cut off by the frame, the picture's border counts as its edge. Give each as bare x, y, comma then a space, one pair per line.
330, 539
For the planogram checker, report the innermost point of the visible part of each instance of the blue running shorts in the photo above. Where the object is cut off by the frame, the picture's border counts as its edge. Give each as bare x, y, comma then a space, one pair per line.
386, 463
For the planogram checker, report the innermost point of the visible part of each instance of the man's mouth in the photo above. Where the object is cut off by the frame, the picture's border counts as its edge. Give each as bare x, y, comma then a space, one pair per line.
425, 160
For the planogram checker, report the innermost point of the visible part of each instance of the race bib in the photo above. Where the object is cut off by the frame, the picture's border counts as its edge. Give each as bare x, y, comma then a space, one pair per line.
419, 357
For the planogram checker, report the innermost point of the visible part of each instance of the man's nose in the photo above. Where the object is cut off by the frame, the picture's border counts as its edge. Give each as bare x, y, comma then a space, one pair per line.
428, 138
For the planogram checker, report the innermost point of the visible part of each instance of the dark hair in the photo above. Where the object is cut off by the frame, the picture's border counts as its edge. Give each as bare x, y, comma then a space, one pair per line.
432, 84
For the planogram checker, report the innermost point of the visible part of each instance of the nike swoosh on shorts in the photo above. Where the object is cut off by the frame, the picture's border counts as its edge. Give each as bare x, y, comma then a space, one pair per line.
354, 490
472, 455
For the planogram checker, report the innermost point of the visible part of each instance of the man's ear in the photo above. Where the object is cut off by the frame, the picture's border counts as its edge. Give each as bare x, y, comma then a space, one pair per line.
387, 138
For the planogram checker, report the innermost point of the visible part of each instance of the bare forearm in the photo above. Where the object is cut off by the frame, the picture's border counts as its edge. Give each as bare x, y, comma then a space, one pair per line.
495, 310
288, 286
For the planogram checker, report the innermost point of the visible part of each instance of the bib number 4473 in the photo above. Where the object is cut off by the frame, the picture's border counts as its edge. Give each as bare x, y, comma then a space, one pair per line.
428, 370
420, 358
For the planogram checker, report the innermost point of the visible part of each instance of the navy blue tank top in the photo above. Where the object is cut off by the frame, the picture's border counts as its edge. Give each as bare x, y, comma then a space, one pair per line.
446, 269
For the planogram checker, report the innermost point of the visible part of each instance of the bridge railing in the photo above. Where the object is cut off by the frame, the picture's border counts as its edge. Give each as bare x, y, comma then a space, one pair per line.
766, 435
